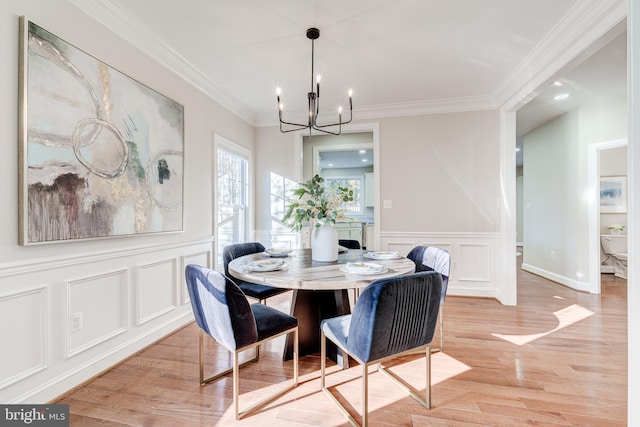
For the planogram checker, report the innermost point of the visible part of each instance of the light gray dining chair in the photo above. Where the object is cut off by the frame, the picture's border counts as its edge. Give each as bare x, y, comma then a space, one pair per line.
431, 258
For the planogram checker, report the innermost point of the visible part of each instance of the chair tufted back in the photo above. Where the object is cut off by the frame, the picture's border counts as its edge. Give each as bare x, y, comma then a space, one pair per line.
394, 315
220, 307
430, 258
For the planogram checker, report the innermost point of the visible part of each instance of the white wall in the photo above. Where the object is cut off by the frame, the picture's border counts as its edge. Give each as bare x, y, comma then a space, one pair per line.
441, 172
130, 290
550, 197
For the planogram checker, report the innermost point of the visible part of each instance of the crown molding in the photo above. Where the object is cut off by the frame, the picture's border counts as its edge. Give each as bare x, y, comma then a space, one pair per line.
136, 33
582, 26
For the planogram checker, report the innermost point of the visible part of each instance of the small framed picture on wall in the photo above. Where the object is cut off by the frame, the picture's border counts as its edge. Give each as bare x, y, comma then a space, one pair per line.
613, 194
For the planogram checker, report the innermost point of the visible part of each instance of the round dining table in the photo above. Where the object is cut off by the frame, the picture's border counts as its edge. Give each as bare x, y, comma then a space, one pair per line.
320, 289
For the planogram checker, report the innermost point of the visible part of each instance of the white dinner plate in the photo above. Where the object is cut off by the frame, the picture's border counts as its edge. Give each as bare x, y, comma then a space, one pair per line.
363, 268
265, 265
278, 253
382, 255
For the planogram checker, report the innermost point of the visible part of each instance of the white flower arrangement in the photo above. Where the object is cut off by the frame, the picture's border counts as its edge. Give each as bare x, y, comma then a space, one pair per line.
313, 201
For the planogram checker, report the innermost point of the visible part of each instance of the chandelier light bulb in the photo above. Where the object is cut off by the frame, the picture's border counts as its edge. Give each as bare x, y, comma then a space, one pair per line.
318, 77
340, 109
350, 93
280, 106
278, 91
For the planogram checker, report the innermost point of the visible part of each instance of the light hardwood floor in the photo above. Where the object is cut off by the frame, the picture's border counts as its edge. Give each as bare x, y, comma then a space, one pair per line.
559, 358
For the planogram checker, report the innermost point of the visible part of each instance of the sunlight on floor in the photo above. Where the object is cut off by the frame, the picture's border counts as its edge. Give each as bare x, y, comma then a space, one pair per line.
566, 317
444, 367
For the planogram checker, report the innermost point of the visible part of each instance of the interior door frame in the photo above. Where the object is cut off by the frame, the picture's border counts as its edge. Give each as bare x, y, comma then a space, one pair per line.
374, 128
593, 174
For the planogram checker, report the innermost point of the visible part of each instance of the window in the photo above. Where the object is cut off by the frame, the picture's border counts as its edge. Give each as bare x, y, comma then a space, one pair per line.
232, 195
356, 207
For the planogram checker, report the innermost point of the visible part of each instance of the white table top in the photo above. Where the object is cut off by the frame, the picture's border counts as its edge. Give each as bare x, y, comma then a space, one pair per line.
301, 272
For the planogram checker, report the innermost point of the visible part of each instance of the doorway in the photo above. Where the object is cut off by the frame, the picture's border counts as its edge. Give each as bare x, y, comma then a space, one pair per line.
595, 171
371, 185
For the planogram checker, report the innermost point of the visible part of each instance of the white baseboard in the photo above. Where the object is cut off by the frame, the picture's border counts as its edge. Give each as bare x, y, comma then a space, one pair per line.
571, 283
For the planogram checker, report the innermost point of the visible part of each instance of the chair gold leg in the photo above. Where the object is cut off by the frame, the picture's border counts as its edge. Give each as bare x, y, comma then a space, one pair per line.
441, 329
236, 386
365, 394
323, 385
293, 384
323, 359
295, 356
214, 377
441, 321
426, 402
235, 369
428, 375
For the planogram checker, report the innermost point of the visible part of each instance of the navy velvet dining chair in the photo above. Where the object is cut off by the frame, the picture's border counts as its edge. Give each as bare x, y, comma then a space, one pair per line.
393, 317
431, 258
222, 311
253, 290
349, 244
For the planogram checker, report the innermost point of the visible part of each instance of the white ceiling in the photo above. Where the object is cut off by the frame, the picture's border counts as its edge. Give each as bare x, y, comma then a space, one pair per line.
338, 159
403, 56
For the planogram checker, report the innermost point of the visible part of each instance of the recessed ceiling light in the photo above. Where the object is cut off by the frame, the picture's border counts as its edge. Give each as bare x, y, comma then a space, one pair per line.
561, 96
517, 149
364, 160
362, 151
330, 165
557, 83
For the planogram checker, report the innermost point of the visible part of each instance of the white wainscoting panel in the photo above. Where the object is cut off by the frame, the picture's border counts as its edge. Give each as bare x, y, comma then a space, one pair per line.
24, 320
156, 289
200, 258
474, 262
473, 269
127, 295
101, 302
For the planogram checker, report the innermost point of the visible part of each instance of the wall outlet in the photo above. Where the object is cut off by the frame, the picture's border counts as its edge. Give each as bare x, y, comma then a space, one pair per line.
553, 255
386, 204
76, 321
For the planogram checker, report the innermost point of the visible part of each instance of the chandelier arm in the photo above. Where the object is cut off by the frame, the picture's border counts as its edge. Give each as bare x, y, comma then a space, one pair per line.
339, 123
292, 130
298, 125
327, 131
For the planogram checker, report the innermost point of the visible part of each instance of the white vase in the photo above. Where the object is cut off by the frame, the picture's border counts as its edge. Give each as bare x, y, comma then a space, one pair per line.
324, 243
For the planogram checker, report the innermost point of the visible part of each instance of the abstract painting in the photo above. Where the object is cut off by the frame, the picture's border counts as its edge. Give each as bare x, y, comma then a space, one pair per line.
613, 194
101, 154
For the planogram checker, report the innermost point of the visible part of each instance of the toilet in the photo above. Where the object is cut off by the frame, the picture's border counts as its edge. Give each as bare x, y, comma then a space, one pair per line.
615, 245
